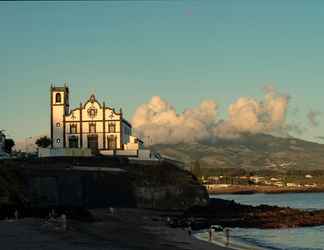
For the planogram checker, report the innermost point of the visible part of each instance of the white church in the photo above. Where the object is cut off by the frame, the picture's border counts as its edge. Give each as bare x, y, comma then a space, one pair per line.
89, 129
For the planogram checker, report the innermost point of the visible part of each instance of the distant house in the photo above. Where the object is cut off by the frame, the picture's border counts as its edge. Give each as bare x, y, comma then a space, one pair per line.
3, 154
257, 179
310, 185
213, 187
2, 142
213, 179
278, 184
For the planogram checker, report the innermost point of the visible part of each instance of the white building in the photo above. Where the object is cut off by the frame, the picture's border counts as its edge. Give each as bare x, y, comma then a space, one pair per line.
2, 142
92, 125
3, 154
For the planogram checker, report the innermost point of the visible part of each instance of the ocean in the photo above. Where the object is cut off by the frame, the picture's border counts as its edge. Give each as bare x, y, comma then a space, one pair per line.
310, 238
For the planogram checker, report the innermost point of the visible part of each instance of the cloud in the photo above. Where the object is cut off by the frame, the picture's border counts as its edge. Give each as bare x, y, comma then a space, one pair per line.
254, 116
313, 118
159, 120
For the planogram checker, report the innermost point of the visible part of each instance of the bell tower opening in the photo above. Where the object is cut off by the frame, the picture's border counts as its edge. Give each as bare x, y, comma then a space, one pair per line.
58, 98
59, 108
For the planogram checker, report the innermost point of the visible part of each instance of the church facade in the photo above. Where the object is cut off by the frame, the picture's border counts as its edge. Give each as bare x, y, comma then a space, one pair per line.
91, 125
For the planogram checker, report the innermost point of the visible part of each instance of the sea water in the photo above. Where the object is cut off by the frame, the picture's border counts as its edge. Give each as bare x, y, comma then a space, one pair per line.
310, 238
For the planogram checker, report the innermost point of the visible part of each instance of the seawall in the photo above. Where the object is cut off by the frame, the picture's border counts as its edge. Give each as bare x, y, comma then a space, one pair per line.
97, 182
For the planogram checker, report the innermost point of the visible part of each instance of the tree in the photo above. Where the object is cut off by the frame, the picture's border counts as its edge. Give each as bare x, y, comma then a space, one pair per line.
9, 143
43, 142
196, 169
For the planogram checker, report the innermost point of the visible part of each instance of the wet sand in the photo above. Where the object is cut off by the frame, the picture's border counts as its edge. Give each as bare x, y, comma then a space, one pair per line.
127, 229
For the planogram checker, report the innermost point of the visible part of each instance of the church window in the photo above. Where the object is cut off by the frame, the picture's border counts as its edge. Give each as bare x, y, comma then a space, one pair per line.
111, 127
58, 98
92, 112
58, 141
92, 128
73, 128
58, 124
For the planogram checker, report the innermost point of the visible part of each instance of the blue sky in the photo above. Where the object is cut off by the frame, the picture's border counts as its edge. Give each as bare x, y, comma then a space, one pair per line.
184, 51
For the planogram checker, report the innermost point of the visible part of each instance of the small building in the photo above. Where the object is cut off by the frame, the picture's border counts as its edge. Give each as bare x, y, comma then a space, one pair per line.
291, 184
278, 184
257, 179
2, 142
213, 180
214, 187
310, 185
3, 154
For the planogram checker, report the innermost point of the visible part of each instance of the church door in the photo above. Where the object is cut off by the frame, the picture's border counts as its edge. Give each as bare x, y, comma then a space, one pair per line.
112, 142
73, 142
93, 143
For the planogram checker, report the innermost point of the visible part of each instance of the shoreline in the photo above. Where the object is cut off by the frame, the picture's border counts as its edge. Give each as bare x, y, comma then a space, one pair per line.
220, 241
242, 189
127, 229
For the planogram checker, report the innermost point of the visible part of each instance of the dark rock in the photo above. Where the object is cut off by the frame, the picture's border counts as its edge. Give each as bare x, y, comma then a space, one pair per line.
231, 214
42, 184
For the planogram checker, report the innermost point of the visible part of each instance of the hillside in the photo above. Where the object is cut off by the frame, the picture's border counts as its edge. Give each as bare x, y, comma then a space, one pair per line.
251, 152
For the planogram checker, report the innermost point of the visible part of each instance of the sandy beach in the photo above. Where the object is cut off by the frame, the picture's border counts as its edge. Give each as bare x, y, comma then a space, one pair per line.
127, 229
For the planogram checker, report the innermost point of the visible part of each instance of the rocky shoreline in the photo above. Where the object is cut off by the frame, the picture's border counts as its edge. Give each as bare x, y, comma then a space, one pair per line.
231, 214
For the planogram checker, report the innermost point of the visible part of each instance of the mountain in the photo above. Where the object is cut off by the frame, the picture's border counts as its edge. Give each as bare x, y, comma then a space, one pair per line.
250, 152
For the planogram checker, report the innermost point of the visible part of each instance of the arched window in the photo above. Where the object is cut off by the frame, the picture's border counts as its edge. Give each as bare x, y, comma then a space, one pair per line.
73, 128
111, 128
112, 142
92, 128
58, 98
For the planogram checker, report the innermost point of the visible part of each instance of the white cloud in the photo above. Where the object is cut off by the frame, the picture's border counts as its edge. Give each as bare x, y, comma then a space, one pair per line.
254, 116
159, 120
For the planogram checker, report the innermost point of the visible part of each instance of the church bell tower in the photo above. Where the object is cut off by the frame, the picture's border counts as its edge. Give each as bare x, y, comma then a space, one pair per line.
59, 108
